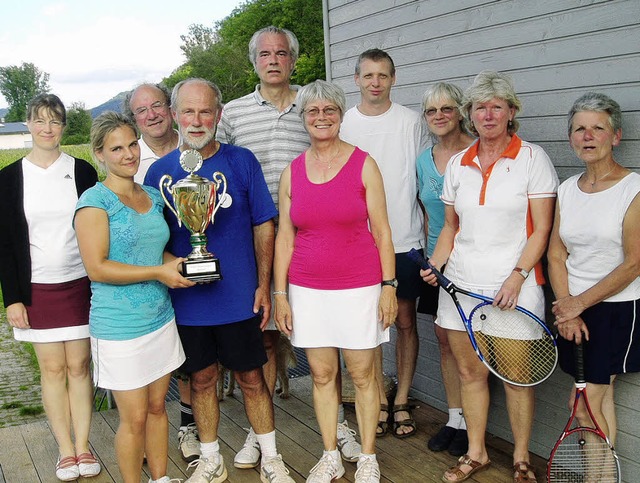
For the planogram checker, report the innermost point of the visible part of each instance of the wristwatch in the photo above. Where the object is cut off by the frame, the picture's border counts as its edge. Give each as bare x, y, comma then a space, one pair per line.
522, 271
393, 282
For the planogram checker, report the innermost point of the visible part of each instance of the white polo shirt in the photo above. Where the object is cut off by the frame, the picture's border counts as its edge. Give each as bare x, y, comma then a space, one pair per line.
493, 208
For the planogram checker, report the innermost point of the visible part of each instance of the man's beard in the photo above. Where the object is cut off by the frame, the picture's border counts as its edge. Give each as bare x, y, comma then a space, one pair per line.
200, 142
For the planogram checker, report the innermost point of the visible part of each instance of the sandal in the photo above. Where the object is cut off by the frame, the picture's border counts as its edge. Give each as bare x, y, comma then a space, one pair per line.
409, 422
88, 465
461, 475
67, 468
521, 473
383, 426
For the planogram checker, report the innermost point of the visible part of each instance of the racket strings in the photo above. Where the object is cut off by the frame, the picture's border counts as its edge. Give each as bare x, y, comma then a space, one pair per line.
585, 457
513, 345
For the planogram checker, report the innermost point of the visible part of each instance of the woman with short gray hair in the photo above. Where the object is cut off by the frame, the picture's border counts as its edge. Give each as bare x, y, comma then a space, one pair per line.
333, 250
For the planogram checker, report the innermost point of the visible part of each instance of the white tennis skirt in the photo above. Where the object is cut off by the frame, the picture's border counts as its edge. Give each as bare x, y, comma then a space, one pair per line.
122, 365
346, 319
530, 298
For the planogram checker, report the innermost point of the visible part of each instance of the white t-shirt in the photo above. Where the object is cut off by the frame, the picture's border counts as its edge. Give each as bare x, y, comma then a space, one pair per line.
50, 198
147, 158
591, 230
394, 139
493, 209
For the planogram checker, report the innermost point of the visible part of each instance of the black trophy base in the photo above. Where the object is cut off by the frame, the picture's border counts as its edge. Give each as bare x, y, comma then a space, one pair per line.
202, 271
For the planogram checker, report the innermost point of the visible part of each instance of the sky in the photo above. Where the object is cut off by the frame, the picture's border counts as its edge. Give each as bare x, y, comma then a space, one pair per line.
93, 50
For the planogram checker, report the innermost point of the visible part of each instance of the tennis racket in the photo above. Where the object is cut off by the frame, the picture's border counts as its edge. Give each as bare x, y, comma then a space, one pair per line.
583, 453
515, 345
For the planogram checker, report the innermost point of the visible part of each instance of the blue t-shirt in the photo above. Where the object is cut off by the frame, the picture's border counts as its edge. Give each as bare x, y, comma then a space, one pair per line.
430, 183
229, 237
123, 312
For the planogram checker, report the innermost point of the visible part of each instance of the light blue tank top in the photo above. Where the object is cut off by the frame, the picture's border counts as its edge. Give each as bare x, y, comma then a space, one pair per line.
430, 183
123, 312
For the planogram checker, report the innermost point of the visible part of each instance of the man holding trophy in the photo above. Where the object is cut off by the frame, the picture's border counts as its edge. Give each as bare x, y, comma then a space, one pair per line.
220, 215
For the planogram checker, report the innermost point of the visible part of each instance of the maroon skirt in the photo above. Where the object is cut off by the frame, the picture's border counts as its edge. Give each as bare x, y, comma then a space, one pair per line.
56, 305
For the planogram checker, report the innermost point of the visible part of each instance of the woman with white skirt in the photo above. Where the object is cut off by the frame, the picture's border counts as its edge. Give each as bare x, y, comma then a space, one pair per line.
334, 251
134, 341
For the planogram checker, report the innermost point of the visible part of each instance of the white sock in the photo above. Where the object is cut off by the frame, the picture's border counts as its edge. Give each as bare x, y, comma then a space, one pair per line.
334, 453
267, 444
364, 457
463, 424
340, 412
210, 450
455, 418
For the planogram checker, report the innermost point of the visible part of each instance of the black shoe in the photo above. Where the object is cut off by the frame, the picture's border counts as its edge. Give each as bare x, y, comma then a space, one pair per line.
460, 443
442, 439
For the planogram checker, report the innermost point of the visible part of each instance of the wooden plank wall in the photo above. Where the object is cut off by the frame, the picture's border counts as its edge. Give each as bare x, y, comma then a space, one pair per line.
555, 50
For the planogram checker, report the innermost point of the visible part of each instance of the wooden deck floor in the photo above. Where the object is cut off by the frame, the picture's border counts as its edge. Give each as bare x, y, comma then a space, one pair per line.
28, 453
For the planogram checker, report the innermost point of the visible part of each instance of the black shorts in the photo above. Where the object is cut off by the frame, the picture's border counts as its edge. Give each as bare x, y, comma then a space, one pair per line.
614, 342
238, 346
428, 303
410, 282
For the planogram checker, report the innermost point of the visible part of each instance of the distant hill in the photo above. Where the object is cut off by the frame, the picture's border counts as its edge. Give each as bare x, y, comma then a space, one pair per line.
113, 104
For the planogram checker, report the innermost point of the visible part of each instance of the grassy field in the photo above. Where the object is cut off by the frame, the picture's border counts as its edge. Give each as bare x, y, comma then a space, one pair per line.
8, 156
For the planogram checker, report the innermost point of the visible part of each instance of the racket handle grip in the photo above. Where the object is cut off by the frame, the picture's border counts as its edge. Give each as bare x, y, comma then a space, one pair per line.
424, 264
578, 354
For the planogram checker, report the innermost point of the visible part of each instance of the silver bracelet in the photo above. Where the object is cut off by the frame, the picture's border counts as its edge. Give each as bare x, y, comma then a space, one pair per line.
280, 292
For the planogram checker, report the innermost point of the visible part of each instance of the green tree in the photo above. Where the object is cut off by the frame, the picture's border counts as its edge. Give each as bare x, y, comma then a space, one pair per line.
20, 84
220, 54
78, 125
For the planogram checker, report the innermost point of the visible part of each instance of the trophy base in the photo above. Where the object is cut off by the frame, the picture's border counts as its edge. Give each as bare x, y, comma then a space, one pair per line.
202, 271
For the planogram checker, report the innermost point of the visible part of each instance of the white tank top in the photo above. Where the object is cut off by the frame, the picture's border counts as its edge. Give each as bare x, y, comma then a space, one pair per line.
591, 230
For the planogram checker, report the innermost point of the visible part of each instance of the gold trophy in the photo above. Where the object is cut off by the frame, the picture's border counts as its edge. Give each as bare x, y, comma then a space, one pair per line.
195, 203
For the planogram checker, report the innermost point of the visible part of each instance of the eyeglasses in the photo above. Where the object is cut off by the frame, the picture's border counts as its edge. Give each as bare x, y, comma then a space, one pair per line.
156, 107
446, 110
41, 123
327, 111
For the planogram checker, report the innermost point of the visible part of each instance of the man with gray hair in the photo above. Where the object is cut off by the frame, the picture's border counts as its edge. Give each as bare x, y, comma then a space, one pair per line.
149, 106
266, 121
219, 322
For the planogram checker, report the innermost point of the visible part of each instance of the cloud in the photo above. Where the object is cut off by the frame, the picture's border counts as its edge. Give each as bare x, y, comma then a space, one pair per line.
55, 9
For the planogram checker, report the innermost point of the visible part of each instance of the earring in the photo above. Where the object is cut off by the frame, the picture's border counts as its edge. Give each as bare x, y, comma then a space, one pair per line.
510, 124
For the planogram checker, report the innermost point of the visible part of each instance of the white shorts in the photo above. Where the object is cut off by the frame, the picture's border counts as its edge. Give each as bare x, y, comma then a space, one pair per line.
530, 298
122, 365
346, 319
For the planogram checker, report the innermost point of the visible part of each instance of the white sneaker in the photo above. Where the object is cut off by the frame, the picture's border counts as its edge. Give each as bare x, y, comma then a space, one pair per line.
208, 470
249, 455
166, 479
274, 471
349, 448
67, 468
188, 442
326, 470
368, 471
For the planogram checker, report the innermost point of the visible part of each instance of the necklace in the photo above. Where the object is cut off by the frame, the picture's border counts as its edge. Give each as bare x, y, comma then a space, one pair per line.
603, 177
315, 154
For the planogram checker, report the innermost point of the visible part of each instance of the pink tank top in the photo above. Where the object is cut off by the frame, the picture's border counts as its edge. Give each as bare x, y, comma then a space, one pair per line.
333, 248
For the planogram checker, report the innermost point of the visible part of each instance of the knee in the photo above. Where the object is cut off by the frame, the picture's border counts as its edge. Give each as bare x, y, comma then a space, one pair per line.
323, 376
134, 422
78, 369
250, 382
156, 407
205, 380
54, 371
472, 373
362, 379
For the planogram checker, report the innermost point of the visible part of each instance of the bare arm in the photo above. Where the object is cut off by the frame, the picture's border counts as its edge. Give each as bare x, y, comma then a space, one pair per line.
444, 245
569, 307
381, 231
92, 231
263, 241
542, 217
283, 254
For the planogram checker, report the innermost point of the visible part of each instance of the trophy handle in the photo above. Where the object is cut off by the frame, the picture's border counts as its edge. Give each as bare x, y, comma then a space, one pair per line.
219, 179
165, 183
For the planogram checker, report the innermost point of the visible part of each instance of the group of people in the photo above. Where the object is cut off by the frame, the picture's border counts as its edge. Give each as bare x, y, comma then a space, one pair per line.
322, 205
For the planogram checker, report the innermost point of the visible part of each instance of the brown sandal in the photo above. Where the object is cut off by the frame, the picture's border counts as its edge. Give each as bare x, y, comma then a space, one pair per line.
383, 426
521, 472
461, 475
409, 422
